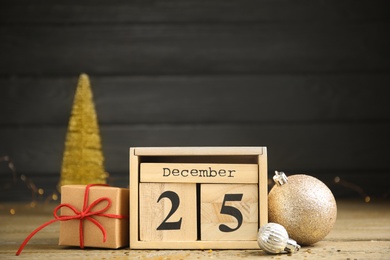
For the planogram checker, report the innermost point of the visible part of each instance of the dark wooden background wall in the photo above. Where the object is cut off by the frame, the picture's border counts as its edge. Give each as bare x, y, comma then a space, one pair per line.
308, 79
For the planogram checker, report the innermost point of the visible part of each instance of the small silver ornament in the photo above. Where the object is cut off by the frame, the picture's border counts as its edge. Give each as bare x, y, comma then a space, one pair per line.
273, 238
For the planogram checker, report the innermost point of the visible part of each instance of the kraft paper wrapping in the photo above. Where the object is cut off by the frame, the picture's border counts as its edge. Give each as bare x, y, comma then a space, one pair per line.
117, 230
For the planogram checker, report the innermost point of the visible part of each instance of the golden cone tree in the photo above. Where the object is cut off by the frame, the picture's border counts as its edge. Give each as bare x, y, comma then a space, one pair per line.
83, 161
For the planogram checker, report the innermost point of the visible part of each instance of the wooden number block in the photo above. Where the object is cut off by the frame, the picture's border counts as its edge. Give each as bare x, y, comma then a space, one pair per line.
229, 212
167, 212
199, 173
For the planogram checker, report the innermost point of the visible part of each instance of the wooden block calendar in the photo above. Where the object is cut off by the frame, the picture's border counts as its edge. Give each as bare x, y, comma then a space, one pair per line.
197, 197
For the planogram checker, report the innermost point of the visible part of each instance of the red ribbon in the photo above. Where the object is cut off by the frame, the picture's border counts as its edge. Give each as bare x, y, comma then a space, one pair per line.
85, 214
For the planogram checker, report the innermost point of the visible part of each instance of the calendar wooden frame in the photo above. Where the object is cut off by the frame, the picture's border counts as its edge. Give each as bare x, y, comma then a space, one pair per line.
257, 155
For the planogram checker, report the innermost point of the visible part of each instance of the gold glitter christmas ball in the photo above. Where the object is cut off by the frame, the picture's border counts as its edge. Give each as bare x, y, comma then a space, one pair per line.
304, 206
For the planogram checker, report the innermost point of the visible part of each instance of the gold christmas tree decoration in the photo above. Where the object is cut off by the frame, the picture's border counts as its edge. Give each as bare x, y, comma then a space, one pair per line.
83, 159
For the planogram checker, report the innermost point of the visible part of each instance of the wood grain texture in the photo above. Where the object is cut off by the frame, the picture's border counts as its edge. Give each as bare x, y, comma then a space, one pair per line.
312, 75
349, 151
149, 11
254, 210
265, 99
156, 208
362, 231
216, 211
199, 173
308, 147
194, 49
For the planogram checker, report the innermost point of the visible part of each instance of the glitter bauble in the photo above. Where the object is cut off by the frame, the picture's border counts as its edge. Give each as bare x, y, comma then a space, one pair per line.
304, 206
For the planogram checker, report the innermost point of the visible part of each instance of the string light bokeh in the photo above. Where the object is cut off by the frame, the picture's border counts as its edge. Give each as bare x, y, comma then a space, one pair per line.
38, 194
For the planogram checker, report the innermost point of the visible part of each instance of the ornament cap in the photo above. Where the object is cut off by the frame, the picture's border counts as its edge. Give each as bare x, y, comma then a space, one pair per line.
292, 246
280, 178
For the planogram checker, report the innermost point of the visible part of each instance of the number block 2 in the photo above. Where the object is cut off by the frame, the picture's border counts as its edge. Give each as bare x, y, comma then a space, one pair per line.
162, 207
197, 197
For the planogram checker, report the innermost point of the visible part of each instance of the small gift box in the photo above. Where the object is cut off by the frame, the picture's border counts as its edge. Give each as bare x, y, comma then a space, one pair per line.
93, 215
106, 210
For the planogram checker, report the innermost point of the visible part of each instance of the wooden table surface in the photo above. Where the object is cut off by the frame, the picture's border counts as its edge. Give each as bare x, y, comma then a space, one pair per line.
362, 231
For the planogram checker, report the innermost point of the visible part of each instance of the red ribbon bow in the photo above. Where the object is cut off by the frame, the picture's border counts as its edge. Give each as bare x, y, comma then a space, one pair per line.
85, 214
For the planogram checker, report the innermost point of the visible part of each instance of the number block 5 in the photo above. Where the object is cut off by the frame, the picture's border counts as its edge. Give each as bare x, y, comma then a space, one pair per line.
229, 211
162, 207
